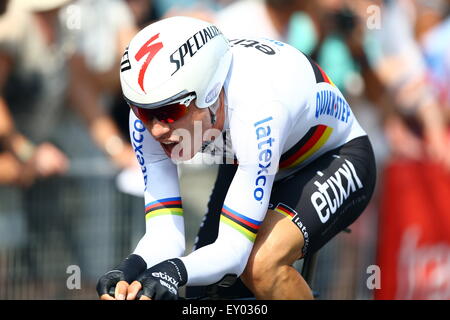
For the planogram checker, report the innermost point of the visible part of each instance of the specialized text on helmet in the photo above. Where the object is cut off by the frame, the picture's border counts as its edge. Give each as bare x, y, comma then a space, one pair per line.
192, 46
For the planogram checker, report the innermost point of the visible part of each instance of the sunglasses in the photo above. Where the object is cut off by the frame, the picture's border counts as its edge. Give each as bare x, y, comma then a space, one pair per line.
167, 114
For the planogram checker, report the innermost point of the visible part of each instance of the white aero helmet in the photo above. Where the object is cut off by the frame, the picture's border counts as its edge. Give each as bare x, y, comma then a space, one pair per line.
175, 60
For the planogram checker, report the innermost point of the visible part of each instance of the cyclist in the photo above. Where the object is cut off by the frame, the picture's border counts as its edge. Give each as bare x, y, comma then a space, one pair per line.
302, 167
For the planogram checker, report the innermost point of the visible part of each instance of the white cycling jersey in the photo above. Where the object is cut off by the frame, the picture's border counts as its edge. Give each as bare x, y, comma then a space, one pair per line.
282, 112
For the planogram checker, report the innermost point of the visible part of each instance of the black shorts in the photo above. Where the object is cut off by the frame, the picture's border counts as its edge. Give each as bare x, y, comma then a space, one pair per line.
321, 199
329, 194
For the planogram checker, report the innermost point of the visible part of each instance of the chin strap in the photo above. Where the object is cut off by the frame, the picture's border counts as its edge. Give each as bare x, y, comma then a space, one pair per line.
213, 110
213, 116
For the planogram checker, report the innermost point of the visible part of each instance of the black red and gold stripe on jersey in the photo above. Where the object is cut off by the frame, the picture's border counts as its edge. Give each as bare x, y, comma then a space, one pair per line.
316, 136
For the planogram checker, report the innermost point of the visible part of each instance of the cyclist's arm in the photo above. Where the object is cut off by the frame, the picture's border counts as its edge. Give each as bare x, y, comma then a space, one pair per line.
164, 237
257, 143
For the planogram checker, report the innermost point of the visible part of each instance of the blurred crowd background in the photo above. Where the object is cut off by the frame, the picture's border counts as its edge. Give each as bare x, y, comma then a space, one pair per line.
70, 188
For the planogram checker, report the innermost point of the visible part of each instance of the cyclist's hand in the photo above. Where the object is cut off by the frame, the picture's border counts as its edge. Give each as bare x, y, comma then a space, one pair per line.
114, 284
110, 280
160, 282
135, 292
157, 286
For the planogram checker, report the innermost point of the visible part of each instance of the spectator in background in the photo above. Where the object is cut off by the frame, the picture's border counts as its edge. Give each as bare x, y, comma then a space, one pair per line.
143, 12
10, 167
20, 160
102, 45
413, 118
35, 89
165, 8
414, 224
436, 49
41, 73
334, 33
3, 5
268, 18
104, 29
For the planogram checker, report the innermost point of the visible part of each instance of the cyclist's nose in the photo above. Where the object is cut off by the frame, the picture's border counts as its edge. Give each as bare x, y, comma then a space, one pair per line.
159, 129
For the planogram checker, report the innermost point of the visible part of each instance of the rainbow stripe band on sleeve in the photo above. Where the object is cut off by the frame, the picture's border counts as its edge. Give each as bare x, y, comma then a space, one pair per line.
167, 206
246, 226
285, 210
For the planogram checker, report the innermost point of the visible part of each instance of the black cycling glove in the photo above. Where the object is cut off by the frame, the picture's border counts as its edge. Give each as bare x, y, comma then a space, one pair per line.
161, 282
128, 270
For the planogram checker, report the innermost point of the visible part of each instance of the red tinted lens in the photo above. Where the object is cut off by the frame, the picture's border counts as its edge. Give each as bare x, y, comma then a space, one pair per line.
167, 114
141, 114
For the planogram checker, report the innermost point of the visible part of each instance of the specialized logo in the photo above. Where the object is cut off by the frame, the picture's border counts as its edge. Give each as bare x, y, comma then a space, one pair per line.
321, 200
263, 132
192, 46
149, 50
125, 62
